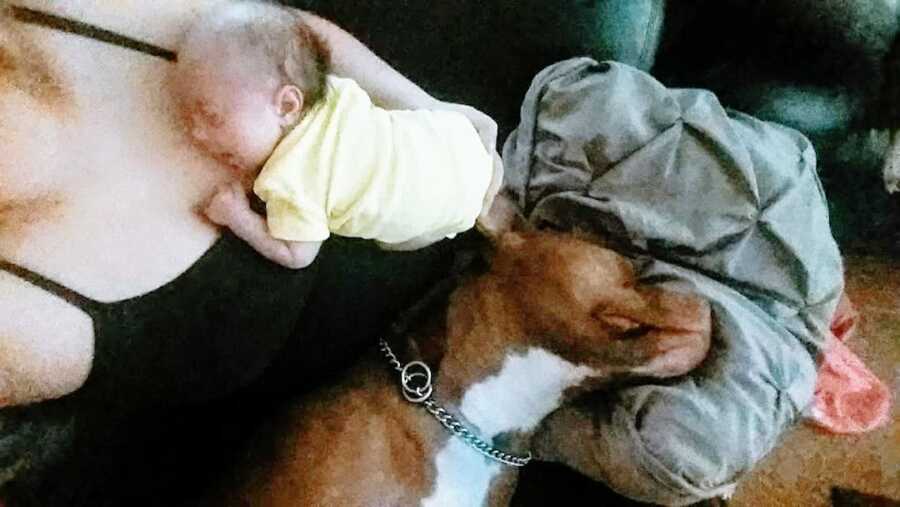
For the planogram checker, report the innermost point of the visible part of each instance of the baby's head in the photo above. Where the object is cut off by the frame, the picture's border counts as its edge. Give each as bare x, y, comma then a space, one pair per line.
247, 72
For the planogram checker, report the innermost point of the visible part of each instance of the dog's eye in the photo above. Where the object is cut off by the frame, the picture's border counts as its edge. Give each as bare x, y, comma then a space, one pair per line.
618, 322
635, 332
625, 328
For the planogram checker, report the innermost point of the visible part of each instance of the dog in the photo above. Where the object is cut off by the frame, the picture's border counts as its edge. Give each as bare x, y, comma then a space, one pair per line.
553, 316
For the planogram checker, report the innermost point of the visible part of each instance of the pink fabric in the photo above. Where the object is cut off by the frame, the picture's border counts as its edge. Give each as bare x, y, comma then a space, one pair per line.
848, 397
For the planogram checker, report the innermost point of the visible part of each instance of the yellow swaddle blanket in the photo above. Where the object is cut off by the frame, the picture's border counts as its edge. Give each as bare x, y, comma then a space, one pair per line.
354, 169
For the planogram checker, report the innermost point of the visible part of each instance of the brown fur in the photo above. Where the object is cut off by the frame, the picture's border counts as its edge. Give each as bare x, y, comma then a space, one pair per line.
345, 446
361, 443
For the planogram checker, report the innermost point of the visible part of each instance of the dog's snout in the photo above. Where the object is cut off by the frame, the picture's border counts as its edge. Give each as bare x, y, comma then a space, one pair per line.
677, 310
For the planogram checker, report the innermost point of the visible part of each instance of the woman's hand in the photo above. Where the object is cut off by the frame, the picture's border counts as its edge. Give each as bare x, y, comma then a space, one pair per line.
227, 204
493, 187
387, 87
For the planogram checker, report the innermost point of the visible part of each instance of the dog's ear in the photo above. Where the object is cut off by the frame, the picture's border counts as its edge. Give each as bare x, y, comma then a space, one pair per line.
504, 216
511, 240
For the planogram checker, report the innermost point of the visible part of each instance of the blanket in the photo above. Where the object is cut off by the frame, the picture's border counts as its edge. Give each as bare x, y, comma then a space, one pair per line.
706, 200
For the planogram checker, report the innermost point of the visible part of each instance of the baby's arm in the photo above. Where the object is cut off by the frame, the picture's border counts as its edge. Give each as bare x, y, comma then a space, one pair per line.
230, 208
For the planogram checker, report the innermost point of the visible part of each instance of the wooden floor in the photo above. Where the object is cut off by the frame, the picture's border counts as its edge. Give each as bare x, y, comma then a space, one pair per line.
808, 462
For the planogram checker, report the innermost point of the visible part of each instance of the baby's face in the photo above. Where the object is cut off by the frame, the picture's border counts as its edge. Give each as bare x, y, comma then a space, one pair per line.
234, 123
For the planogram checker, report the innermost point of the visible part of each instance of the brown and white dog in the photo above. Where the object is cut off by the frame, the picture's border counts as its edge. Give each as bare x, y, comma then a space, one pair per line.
553, 316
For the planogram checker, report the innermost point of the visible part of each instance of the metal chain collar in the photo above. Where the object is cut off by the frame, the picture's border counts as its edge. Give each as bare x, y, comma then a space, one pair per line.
415, 379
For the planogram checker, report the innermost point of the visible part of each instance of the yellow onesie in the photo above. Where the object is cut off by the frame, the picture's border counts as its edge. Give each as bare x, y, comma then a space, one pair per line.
354, 169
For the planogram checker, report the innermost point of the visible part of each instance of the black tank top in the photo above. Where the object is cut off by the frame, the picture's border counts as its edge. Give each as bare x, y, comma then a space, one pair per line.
209, 330
183, 374
199, 337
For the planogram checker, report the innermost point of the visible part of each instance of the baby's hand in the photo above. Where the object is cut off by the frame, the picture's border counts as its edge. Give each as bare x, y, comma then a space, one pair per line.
228, 203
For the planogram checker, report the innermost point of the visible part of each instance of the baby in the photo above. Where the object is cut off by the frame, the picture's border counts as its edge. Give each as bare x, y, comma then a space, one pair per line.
254, 91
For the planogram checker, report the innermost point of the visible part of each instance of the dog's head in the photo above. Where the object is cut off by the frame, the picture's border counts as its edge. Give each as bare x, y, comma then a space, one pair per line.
584, 303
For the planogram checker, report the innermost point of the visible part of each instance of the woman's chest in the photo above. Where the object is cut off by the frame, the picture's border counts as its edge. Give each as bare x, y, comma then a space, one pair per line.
98, 189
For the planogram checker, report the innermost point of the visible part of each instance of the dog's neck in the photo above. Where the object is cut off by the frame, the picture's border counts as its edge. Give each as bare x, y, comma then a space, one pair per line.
501, 386
492, 376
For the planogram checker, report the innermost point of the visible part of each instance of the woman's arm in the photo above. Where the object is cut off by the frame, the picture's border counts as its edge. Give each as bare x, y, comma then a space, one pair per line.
350, 58
387, 87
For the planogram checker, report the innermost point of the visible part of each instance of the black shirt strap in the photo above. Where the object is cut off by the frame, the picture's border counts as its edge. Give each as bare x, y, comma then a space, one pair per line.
84, 303
55, 22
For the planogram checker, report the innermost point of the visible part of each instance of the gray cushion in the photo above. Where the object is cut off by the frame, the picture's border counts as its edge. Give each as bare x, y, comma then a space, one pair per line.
707, 200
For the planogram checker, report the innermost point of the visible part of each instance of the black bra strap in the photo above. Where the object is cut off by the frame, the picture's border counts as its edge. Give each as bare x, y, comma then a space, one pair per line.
85, 303
52, 21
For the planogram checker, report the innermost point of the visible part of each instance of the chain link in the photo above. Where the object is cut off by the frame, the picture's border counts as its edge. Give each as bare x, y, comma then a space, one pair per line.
422, 394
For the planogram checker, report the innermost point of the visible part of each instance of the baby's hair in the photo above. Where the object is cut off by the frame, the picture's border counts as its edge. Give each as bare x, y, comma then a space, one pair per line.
287, 46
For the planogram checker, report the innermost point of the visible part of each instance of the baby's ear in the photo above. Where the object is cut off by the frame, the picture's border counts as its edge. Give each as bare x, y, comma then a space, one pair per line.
504, 216
289, 104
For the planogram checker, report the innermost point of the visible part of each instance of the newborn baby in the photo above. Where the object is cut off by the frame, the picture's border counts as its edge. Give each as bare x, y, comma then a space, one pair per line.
254, 91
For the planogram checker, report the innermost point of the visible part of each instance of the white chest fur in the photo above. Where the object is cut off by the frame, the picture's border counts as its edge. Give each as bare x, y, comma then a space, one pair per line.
463, 477
527, 388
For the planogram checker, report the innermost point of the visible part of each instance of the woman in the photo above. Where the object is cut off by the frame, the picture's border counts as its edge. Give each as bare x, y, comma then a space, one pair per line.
105, 257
